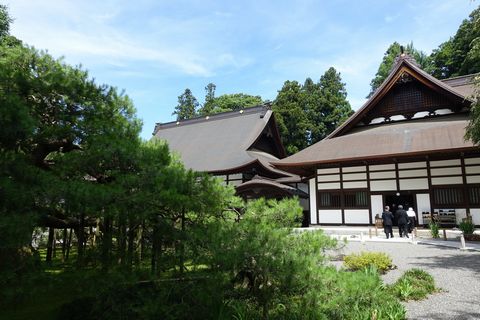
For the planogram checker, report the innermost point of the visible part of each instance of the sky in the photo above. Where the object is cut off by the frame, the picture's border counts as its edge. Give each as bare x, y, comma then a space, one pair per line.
155, 49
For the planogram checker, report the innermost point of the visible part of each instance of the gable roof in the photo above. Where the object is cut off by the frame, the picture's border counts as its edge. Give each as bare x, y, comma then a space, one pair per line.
404, 66
225, 141
420, 136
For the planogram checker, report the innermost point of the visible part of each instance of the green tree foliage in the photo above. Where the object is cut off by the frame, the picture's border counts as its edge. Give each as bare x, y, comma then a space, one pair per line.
333, 107
460, 55
187, 106
5, 21
389, 58
149, 238
208, 105
229, 102
291, 117
308, 113
473, 128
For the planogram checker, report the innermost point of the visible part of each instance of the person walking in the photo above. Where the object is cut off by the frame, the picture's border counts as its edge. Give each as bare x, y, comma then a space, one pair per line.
402, 221
387, 218
411, 219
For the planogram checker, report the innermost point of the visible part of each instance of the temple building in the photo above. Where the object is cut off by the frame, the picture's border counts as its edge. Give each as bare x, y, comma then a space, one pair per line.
405, 145
238, 147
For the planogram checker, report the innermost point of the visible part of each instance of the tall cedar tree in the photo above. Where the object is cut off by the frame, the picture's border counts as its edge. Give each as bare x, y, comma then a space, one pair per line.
460, 54
187, 106
388, 59
291, 117
333, 108
308, 113
209, 103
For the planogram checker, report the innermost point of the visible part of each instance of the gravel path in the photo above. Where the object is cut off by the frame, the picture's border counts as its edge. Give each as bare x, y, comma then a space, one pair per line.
455, 271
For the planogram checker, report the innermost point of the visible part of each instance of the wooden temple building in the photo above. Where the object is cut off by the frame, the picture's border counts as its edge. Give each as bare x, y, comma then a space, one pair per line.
405, 145
238, 147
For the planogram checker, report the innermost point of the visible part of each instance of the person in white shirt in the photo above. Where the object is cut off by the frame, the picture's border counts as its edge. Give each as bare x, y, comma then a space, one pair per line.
411, 219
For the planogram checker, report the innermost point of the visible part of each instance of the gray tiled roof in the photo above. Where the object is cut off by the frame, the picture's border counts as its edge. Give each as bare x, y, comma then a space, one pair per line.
218, 142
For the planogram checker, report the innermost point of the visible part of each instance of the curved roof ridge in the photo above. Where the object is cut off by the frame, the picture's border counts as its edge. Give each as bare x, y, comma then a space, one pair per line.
387, 84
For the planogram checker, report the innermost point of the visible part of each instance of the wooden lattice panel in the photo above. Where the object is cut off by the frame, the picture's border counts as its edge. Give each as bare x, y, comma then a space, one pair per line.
408, 97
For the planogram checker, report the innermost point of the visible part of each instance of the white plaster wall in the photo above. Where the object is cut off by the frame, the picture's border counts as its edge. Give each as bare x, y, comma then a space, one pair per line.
411, 165
382, 167
383, 185
444, 163
329, 177
354, 169
413, 173
413, 184
330, 216
328, 170
355, 184
473, 179
475, 213
327, 186
423, 205
472, 161
376, 201
383, 175
355, 176
313, 201
472, 169
446, 171
357, 216
447, 180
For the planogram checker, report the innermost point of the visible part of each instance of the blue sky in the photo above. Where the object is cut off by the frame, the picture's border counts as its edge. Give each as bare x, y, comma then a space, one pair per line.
156, 49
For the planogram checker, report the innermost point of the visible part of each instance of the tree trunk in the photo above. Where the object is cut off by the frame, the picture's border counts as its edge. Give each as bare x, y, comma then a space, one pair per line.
122, 240
182, 244
153, 261
107, 243
69, 244
64, 244
80, 241
50, 242
131, 244
139, 245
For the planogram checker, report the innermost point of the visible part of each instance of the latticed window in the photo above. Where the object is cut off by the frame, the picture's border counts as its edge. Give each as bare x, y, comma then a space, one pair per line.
474, 194
356, 199
329, 200
448, 197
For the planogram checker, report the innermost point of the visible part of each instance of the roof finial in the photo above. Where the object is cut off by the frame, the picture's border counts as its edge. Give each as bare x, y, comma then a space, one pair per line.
402, 51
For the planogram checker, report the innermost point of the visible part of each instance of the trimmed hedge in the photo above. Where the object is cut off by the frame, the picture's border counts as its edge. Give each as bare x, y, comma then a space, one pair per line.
379, 260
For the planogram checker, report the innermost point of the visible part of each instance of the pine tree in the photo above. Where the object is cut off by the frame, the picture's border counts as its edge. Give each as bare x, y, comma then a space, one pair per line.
291, 117
332, 107
308, 113
187, 106
209, 103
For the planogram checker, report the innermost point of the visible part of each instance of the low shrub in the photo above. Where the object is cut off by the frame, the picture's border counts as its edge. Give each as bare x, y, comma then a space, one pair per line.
363, 260
467, 227
434, 229
414, 284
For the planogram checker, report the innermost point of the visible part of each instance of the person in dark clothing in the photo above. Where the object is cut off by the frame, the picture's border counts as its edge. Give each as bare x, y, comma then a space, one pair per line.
402, 220
393, 211
387, 217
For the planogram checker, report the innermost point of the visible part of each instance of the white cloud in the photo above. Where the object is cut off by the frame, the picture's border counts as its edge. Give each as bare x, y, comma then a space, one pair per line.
94, 36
